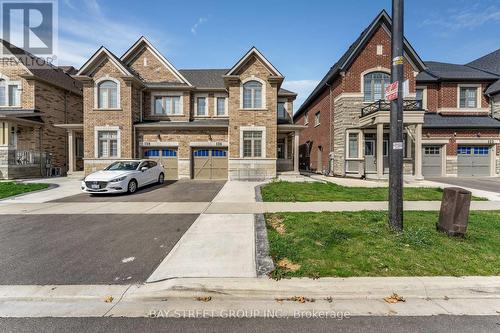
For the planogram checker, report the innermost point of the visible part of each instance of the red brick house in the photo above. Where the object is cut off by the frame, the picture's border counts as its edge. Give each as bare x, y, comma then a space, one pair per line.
450, 111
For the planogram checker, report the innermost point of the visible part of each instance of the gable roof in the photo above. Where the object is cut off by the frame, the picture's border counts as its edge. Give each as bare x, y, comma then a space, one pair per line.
489, 63
445, 71
244, 59
101, 54
348, 57
41, 69
142, 43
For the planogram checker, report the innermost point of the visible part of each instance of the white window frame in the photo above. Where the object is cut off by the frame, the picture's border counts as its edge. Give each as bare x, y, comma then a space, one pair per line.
264, 102
196, 96
167, 94
424, 95
285, 102
253, 129
317, 119
226, 105
96, 92
478, 95
361, 147
98, 129
369, 71
306, 117
6, 83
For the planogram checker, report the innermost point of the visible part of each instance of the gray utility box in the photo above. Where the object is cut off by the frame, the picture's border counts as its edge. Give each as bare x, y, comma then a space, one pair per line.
454, 214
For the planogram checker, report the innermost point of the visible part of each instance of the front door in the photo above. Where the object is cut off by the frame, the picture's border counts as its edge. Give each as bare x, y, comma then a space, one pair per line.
370, 158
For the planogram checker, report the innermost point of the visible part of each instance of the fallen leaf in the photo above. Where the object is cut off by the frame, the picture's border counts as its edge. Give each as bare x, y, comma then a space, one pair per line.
204, 298
288, 265
108, 299
276, 223
394, 298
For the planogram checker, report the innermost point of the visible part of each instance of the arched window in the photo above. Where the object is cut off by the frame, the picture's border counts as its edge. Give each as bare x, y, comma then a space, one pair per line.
252, 95
107, 95
374, 86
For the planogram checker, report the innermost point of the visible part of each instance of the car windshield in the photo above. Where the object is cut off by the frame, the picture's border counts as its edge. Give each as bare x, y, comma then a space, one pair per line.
124, 165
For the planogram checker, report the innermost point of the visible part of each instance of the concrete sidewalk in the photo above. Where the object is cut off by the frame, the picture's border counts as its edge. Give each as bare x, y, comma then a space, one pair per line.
209, 208
259, 297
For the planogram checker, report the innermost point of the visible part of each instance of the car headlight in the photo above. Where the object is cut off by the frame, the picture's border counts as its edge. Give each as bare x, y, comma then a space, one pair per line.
119, 179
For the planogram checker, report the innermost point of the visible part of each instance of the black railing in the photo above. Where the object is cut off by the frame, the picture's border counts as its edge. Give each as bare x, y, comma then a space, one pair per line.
381, 105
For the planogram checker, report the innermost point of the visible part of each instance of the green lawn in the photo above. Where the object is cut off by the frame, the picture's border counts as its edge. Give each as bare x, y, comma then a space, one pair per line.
281, 191
8, 189
346, 244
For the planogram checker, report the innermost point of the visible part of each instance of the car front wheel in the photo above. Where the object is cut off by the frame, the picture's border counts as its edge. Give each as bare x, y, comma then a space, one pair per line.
132, 186
161, 178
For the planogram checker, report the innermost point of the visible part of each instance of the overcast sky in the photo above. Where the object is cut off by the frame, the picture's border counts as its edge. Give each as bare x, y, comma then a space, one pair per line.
303, 39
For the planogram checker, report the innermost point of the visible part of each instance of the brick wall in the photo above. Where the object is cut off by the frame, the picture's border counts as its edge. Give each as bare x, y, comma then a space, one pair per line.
154, 70
453, 134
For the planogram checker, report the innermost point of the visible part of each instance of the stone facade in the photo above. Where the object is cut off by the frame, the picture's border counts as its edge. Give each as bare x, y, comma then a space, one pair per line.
54, 105
150, 77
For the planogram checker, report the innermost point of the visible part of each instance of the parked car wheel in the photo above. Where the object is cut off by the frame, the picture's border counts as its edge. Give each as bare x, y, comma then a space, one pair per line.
132, 186
161, 178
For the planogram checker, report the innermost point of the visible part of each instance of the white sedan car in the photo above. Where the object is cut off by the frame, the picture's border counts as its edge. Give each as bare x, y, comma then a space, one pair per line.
124, 176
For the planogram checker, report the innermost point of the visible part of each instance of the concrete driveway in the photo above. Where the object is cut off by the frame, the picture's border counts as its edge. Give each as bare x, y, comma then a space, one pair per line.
86, 249
491, 184
172, 191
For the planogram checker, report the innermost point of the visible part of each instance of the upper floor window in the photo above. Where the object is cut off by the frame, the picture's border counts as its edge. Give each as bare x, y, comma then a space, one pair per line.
107, 95
167, 105
252, 95
374, 86
221, 106
317, 119
306, 117
9, 94
201, 106
468, 97
281, 110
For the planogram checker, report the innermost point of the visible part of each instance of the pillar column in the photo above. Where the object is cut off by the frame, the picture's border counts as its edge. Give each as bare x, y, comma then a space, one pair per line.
380, 150
71, 151
296, 152
418, 151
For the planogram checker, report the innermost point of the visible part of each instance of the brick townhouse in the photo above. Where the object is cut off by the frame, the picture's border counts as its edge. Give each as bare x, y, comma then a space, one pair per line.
450, 113
34, 97
231, 123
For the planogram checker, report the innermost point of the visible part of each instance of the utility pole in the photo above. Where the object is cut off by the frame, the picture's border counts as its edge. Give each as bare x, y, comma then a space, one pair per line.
396, 130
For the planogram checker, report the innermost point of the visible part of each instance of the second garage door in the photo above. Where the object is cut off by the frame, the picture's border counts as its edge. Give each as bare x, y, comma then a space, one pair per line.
432, 165
166, 157
473, 161
209, 163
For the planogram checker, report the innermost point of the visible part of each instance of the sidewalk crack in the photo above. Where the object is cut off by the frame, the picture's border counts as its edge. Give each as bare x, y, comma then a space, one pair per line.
117, 302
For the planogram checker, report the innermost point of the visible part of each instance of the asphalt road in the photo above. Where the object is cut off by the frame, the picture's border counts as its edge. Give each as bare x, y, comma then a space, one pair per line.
355, 324
86, 249
491, 184
171, 191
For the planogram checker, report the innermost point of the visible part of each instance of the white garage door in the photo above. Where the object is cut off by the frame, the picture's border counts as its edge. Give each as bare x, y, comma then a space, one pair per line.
473, 161
432, 165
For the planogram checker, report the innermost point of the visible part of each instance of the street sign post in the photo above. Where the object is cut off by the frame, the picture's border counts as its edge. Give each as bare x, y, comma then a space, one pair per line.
396, 120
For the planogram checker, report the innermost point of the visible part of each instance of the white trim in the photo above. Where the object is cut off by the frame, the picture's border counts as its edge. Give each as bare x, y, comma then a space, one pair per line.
226, 104
317, 118
195, 105
167, 94
157, 54
478, 95
263, 144
96, 92
360, 144
478, 141
98, 129
263, 97
424, 95
90, 62
146, 144
254, 50
465, 110
222, 144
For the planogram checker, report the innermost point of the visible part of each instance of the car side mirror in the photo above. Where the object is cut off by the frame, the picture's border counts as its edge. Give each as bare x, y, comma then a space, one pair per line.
144, 169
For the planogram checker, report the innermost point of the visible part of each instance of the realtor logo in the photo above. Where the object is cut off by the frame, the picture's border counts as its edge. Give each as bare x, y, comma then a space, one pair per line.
29, 25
